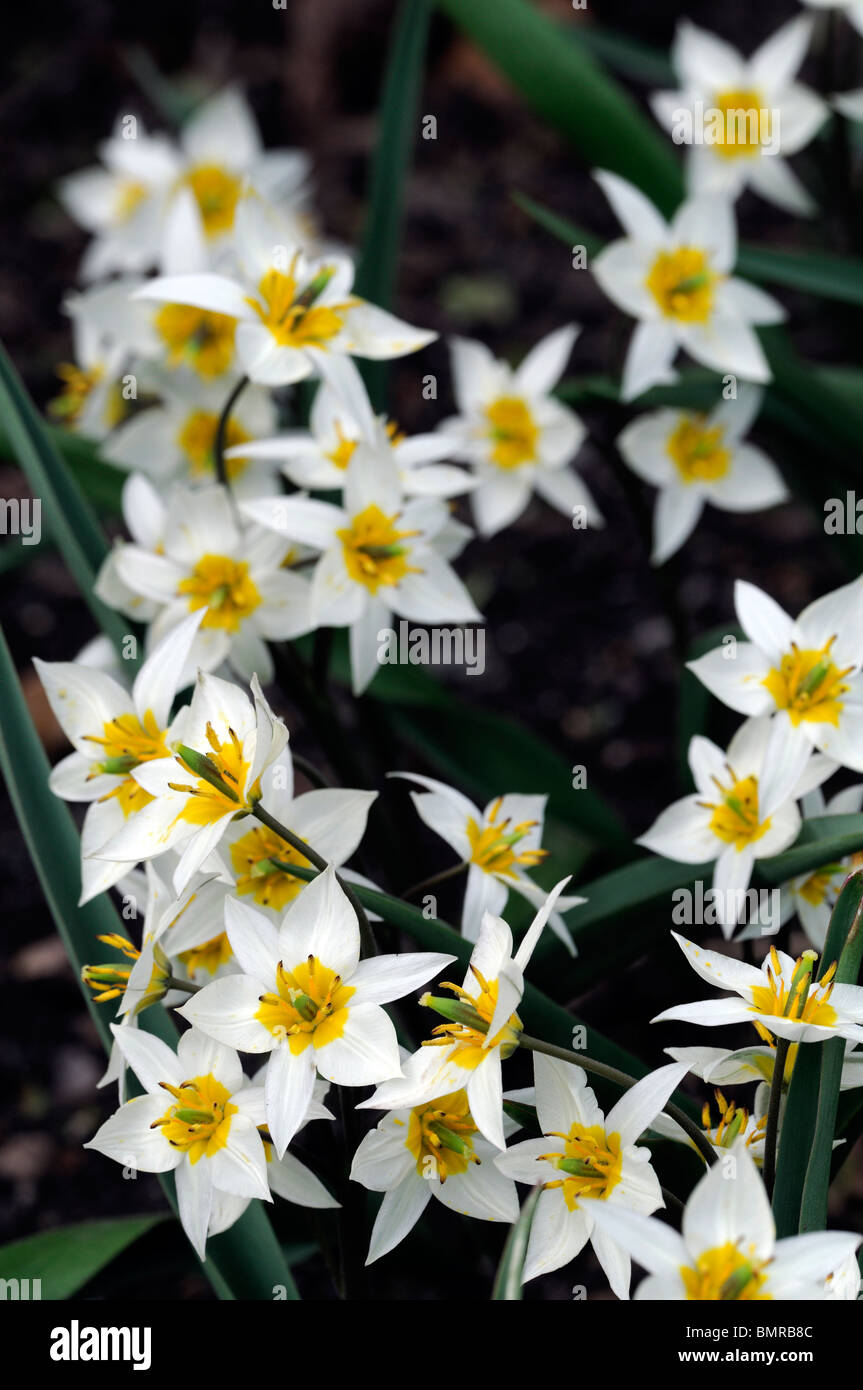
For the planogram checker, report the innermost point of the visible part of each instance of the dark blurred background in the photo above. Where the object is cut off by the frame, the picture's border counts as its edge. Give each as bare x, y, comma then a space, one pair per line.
581, 631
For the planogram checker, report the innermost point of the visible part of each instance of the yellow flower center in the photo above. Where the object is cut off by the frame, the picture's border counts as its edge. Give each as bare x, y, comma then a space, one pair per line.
224, 588
591, 1164
809, 684
197, 439
682, 283
200, 1121
309, 1008
216, 193
735, 816
740, 132
130, 196
291, 314
804, 999
197, 338
513, 432
697, 452
209, 801
732, 1122
816, 887
468, 1033
493, 845
127, 743
252, 857
209, 956
373, 549
724, 1273
440, 1135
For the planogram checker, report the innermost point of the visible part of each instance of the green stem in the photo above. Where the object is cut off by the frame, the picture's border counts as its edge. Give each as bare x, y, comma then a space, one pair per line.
173, 982
221, 429
309, 770
768, 1171
620, 1078
417, 888
369, 945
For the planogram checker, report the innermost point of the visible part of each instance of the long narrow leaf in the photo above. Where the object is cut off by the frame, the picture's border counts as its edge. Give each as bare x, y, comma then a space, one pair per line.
67, 1258
508, 1281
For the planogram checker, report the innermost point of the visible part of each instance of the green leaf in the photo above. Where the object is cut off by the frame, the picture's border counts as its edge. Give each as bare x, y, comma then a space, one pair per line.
565, 87
845, 946
67, 1258
399, 107
247, 1257
632, 59
66, 514
507, 1284
822, 840
814, 272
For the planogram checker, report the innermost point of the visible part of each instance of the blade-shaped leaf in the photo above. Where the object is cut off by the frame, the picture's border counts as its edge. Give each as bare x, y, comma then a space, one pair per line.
508, 1280
65, 1259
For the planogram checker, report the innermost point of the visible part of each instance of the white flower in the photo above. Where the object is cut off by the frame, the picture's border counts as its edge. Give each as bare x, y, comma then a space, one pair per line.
518, 438
843, 1282
294, 316
378, 556
676, 280
330, 819
173, 440
199, 1116
782, 996
695, 458
145, 517
91, 400
728, 1250
807, 671
205, 560
584, 1160
722, 1067
307, 998
498, 845
736, 1123
114, 731
744, 807
764, 114
432, 1150
212, 776
125, 202
813, 896
318, 458
467, 1054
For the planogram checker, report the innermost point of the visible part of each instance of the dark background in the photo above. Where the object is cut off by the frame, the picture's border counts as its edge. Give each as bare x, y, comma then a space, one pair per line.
580, 637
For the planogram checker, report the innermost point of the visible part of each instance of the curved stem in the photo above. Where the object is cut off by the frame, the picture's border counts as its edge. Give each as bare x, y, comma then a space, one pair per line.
417, 888
771, 1136
671, 1201
185, 985
221, 429
309, 770
620, 1078
369, 945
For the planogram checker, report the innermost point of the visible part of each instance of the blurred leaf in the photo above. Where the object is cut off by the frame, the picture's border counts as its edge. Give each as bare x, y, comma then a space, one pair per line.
66, 514
814, 272
244, 1262
67, 1258
822, 840
507, 1284
398, 133
844, 944
564, 86
632, 59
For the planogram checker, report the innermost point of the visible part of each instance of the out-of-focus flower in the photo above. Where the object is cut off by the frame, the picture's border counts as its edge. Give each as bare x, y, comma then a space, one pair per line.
585, 1159
741, 117
498, 846
744, 807
206, 561
173, 440
307, 998
205, 781
695, 458
432, 1150
517, 437
90, 401
813, 896
318, 458
676, 280
378, 556
482, 1031
113, 732
783, 996
295, 316
805, 672
728, 1250
198, 1117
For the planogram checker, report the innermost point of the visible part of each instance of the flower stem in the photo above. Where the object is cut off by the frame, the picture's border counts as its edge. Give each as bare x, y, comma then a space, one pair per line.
417, 888
221, 430
620, 1078
309, 770
768, 1171
369, 945
173, 982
